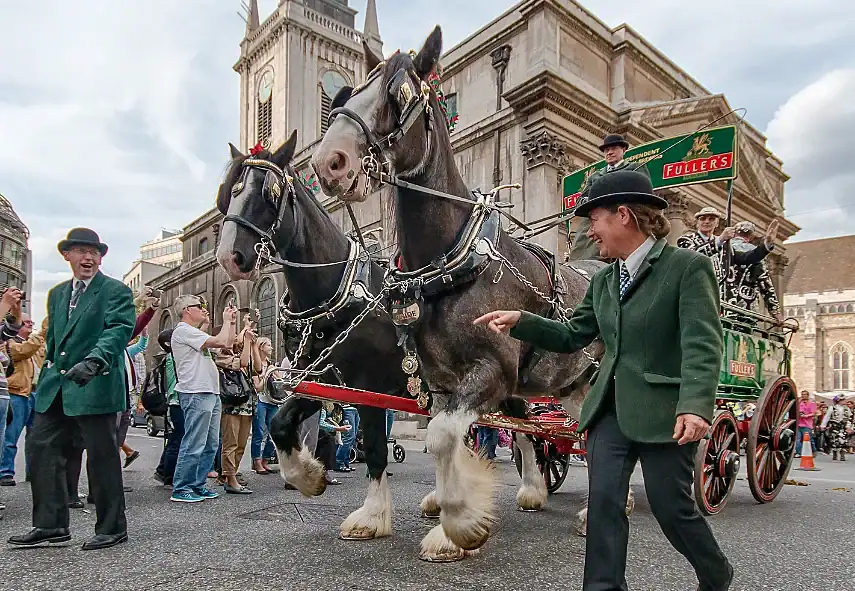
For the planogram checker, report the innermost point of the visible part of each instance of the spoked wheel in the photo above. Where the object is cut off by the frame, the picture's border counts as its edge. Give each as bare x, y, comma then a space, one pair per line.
398, 453
552, 465
771, 439
717, 464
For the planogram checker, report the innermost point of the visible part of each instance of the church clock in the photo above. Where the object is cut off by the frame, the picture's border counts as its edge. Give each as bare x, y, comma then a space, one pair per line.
265, 87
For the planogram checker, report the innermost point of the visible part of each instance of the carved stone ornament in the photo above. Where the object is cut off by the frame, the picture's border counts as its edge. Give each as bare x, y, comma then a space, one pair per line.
544, 148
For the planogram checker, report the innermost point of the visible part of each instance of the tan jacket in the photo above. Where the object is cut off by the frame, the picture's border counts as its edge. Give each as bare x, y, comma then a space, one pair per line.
26, 356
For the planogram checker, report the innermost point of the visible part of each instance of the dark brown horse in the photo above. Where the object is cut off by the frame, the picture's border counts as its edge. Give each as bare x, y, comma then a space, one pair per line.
393, 124
323, 270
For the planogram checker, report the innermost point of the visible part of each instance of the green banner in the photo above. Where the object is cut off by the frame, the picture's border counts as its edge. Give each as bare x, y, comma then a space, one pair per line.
700, 157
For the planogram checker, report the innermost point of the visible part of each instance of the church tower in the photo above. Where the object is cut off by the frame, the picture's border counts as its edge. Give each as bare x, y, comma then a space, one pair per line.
294, 62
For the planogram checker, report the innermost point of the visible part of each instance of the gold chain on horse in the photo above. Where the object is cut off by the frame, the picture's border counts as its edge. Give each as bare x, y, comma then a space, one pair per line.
485, 247
301, 374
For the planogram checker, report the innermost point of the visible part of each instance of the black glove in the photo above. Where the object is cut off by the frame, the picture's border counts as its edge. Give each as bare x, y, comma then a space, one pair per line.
83, 372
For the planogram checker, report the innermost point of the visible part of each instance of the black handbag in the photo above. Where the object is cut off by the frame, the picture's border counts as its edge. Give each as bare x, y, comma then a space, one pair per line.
235, 388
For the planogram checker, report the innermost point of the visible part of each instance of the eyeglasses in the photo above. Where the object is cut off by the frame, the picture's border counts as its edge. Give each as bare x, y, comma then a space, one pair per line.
200, 306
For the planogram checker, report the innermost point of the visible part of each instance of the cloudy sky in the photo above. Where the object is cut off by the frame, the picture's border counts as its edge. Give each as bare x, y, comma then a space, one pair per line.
115, 115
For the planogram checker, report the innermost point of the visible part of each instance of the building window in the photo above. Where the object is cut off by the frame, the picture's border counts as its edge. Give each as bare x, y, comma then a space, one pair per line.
331, 82
850, 308
265, 301
203, 245
823, 310
841, 360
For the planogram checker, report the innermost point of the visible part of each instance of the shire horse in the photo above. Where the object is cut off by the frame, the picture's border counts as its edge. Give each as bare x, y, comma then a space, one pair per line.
308, 245
392, 129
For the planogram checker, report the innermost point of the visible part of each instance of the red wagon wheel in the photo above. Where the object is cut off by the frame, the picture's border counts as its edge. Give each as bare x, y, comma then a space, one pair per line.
717, 464
772, 439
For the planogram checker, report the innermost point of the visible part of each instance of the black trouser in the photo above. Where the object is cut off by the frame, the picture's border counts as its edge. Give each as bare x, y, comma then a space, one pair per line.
325, 451
169, 457
48, 446
667, 472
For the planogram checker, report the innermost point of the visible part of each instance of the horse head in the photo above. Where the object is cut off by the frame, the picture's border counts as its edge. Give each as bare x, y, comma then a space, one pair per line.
257, 190
384, 125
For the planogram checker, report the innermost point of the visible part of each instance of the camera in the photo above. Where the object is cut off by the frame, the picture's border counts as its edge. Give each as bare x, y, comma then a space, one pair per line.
155, 293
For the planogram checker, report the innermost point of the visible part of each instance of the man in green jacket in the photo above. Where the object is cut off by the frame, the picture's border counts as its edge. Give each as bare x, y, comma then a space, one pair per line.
614, 146
81, 389
657, 310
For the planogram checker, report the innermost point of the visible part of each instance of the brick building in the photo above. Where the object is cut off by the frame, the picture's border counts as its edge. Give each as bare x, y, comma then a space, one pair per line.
820, 293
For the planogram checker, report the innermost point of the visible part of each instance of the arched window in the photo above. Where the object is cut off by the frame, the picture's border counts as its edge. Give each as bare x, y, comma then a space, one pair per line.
824, 310
165, 321
264, 108
331, 82
265, 301
850, 308
841, 361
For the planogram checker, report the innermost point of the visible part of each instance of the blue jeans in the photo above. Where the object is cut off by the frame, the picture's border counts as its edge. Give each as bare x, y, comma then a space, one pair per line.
348, 438
4, 410
488, 439
200, 442
802, 431
264, 413
22, 416
390, 420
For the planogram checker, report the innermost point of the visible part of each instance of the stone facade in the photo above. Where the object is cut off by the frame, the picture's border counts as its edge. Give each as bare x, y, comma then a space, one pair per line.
535, 90
16, 264
820, 294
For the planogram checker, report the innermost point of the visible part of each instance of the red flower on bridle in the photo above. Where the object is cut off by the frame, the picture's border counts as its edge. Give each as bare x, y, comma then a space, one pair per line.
256, 149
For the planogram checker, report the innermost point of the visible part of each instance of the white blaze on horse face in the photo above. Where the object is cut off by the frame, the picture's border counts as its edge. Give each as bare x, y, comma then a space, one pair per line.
337, 161
225, 249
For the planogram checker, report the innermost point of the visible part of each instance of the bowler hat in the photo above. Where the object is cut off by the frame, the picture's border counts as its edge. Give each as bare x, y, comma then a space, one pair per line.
82, 237
614, 139
745, 228
619, 188
708, 211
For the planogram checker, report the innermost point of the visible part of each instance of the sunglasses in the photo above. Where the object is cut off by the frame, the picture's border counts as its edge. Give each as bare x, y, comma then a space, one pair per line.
200, 306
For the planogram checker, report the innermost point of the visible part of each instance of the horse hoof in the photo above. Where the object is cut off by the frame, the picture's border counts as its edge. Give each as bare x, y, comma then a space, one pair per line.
437, 547
526, 510
357, 536
430, 515
428, 505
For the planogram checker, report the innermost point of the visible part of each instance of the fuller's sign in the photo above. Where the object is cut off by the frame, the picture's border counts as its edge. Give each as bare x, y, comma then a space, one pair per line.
700, 157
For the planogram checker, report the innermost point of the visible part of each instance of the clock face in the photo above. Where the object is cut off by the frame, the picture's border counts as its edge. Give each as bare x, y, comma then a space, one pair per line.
332, 82
265, 87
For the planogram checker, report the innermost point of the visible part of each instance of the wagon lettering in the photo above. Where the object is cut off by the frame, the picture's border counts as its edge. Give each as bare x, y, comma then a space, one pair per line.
742, 369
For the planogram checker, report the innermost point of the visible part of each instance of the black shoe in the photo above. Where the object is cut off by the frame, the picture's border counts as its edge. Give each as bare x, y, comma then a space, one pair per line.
38, 536
101, 541
130, 459
76, 504
7, 481
724, 587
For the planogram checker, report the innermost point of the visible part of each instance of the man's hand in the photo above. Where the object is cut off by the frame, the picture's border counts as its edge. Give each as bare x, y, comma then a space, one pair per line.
771, 232
344, 428
690, 428
83, 372
500, 321
727, 234
230, 315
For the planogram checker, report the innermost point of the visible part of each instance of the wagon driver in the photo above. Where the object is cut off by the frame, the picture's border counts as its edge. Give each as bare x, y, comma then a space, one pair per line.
650, 400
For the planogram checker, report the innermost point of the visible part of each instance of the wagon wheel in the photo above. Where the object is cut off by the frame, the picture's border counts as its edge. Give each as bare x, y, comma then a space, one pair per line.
717, 464
553, 465
771, 439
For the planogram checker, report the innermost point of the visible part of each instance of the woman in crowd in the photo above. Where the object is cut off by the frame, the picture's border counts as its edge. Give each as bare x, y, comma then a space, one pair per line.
10, 324
166, 468
236, 420
266, 406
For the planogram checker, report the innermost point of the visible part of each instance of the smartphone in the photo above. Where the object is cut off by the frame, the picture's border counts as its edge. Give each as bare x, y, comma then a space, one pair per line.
156, 293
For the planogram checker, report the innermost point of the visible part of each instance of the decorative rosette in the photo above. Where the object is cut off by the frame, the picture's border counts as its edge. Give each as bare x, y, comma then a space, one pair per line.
435, 81
309, 181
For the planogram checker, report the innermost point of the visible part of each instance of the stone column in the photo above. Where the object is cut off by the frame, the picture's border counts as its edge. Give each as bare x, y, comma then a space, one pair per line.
677, 211
545, 162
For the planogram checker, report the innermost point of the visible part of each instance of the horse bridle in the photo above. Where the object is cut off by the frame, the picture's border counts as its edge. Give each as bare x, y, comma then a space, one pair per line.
413, 106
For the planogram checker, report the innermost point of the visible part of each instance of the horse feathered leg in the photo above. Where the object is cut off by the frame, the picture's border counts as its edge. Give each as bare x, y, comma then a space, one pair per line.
429, 507
297, 464
465, 482
374, 518
582, 515
532, 494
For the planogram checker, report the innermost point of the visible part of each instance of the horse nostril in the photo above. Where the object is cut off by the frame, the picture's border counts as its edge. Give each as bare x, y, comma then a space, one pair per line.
338, 163
237, 257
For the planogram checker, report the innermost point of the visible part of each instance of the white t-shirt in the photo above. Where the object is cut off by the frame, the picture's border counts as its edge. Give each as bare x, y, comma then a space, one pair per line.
194, 366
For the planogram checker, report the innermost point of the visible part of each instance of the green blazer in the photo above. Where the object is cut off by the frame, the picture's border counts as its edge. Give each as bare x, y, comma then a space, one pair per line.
663, 342
584, 248
99, 328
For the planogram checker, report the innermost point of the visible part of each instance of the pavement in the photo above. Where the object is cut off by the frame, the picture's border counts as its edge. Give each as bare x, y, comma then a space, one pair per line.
277, 539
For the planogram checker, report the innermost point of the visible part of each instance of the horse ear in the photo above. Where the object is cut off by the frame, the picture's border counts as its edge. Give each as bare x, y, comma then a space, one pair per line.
234, 152
282, 156
371, 58
428, 57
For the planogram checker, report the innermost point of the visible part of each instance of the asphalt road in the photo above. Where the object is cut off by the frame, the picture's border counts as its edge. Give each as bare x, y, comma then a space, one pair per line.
276, 539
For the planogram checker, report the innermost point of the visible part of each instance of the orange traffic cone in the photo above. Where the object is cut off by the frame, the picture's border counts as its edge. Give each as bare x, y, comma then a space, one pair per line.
807, 455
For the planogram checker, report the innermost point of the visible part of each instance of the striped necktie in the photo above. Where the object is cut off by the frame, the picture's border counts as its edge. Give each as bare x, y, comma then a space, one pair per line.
79, 288
625, 279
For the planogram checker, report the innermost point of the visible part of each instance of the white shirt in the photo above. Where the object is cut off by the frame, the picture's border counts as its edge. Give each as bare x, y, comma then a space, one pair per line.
633, 261
194, 366
611, 167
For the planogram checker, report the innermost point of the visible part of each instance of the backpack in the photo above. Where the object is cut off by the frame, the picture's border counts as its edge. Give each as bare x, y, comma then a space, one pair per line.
153, 395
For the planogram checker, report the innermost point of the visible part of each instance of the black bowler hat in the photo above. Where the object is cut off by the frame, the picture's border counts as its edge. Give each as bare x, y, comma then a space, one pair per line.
614, 139
82, 237
619, 188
